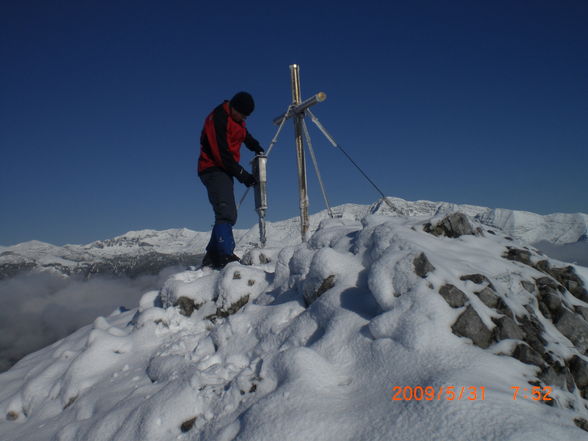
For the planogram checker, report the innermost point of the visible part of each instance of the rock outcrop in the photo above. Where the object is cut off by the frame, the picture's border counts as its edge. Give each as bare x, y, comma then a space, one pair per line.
553, 292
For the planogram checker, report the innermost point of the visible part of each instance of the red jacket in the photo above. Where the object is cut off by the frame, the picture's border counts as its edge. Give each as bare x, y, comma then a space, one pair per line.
220, 142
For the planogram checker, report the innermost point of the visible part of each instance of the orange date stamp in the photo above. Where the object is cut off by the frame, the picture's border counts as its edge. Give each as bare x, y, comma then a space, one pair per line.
534, 393
471, 393
430, 393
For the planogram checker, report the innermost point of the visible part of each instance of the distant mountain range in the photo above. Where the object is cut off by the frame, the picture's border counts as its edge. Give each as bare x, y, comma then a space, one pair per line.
132, 254
149, 251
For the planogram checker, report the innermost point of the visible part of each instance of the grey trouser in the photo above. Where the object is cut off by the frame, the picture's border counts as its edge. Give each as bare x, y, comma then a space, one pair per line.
221, 196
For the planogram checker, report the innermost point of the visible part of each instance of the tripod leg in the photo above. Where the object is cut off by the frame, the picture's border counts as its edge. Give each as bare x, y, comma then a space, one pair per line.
316, 168
322, 128
275, 139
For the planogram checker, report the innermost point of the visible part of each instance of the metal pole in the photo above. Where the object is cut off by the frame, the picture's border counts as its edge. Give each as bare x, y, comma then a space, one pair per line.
316, 168
298, 117
318, 98
260, 192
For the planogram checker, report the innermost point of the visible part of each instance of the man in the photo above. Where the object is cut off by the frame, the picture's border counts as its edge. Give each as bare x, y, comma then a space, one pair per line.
220, 151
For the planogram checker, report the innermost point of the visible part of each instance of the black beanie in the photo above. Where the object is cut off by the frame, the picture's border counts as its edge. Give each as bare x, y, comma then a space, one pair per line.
243, 103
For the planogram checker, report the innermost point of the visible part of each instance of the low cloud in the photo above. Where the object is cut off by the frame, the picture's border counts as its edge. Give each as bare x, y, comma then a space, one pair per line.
37, 309
572, 252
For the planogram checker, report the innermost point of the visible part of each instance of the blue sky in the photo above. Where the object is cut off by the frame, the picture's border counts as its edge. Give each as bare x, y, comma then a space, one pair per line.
102, 103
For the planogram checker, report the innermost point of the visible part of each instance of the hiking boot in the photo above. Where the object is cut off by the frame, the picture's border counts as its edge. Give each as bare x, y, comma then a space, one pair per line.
215, 261
208, 260
226, 259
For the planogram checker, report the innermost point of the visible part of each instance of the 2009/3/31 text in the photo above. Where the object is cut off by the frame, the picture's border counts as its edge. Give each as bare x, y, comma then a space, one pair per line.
430, 393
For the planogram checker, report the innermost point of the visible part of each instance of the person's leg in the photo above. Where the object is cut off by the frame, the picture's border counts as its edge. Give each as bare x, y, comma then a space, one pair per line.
221, 196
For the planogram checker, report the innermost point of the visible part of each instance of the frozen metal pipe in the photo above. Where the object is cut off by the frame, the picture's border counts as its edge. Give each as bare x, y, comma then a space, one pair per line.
299, 108
260, 191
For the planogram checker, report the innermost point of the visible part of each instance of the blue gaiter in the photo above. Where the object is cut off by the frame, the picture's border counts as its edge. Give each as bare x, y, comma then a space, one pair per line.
221, 240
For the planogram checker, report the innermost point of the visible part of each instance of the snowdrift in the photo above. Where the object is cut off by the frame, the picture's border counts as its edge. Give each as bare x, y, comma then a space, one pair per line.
404, 328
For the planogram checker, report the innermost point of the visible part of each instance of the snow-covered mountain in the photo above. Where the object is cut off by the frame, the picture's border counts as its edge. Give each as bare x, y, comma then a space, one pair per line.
429, 326
132, 254
149, 251
557, 228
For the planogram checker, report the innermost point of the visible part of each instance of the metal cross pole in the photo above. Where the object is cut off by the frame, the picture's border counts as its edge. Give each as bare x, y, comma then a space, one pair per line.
296, 111
301, 160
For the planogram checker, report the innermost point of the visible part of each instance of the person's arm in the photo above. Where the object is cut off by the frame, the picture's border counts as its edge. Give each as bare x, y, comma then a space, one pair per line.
253, 144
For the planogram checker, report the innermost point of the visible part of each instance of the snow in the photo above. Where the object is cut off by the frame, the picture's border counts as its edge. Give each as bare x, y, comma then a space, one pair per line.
294, 363
555, 229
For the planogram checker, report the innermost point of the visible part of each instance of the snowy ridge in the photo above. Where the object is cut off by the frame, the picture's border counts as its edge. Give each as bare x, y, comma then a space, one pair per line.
311, 340
151, 250
132, 254
166, 241
532, 228
557, 228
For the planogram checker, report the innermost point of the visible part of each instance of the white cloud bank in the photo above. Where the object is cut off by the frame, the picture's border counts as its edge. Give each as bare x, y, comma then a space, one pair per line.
41, 308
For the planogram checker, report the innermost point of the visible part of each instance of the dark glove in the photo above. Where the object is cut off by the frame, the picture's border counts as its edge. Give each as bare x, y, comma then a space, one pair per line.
246, 178
259, 150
